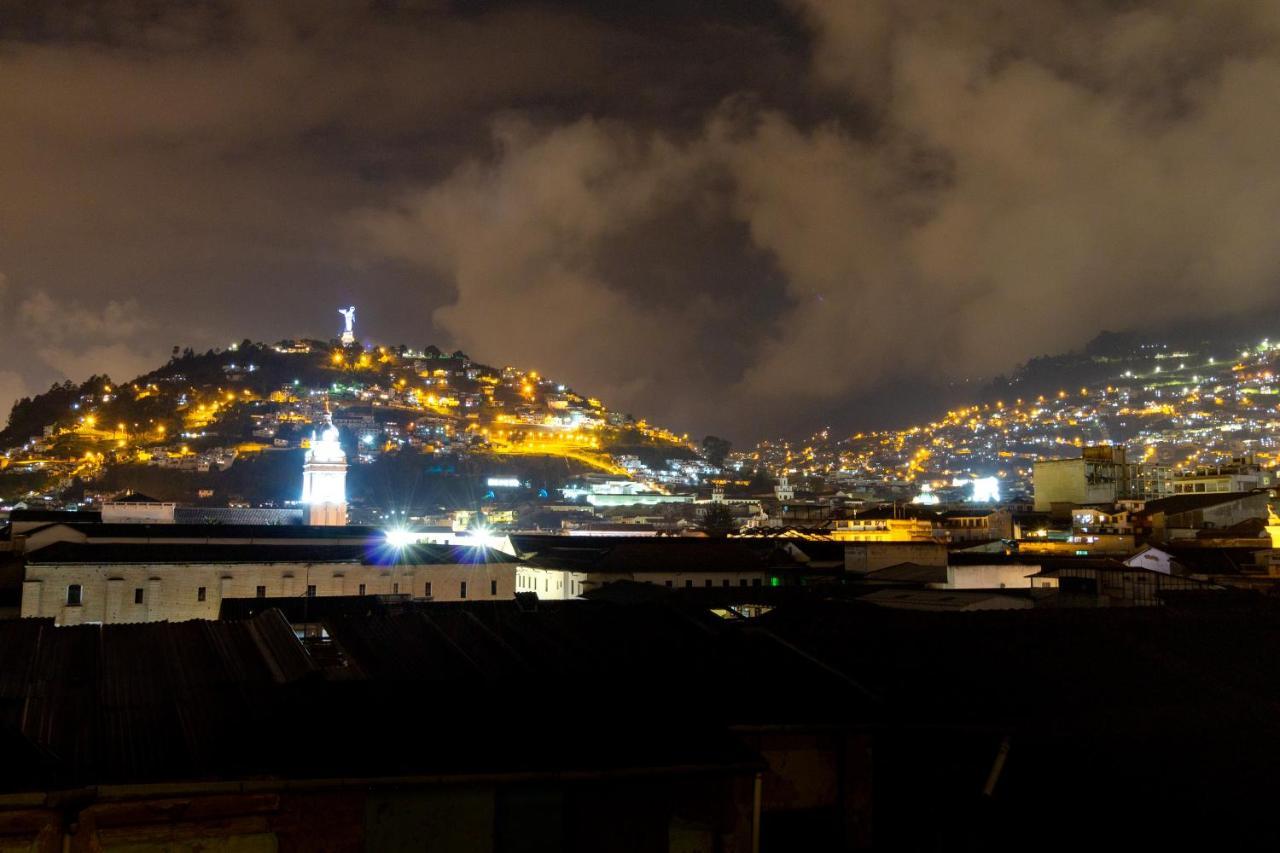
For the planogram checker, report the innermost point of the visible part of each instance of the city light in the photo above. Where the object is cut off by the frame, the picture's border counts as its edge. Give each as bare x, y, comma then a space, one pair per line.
399, 537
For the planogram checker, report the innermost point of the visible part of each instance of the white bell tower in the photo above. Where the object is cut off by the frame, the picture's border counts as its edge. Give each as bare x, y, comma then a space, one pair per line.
324, 479
783, 490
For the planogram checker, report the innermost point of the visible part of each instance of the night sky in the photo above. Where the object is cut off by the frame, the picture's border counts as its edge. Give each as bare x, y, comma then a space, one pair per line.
742, 217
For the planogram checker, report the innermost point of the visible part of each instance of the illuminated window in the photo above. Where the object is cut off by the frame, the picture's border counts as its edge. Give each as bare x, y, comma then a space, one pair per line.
74, 595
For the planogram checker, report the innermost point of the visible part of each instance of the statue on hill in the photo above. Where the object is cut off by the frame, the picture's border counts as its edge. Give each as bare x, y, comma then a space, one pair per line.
348, 333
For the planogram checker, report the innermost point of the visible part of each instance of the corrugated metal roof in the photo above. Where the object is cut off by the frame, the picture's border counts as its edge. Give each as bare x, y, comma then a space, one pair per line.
141, 701
169, 702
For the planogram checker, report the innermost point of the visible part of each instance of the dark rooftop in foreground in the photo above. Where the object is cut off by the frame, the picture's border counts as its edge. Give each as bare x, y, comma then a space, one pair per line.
244, 698
1175, 703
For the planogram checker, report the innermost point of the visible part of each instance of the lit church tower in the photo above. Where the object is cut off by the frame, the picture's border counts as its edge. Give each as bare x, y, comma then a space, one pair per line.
324, 479
783, 490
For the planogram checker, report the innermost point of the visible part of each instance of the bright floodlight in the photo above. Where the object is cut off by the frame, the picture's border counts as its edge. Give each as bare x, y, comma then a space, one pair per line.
398, 537
480, 537
983, 489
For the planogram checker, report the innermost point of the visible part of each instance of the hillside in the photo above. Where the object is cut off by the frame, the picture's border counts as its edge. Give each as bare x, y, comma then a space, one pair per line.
1179, 404
418, 425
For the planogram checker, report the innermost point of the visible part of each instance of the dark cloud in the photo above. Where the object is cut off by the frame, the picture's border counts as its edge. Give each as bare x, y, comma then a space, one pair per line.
721, 216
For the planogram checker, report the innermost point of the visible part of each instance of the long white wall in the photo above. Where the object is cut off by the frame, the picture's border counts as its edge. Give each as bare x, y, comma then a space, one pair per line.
177, 592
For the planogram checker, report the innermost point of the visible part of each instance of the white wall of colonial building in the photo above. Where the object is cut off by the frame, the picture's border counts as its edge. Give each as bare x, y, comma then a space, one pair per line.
550, 583
179, 591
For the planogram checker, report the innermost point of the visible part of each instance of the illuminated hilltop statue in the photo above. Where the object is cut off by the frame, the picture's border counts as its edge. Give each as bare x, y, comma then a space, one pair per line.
324, 479
348, 333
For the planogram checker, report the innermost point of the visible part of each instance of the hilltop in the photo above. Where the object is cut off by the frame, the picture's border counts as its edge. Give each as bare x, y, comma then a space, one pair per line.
418, 425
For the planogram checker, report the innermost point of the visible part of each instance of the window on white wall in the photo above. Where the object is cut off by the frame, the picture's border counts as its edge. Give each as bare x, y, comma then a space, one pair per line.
75, 594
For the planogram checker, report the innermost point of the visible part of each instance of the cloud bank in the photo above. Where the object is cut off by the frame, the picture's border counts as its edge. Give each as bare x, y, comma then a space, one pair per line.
726, 221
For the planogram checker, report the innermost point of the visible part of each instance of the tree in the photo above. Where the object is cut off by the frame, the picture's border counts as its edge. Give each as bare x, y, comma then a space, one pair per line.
760, 481
715, 449
718, 520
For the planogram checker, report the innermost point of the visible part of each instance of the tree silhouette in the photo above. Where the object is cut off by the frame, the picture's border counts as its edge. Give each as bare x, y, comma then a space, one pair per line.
718, 520
715, 449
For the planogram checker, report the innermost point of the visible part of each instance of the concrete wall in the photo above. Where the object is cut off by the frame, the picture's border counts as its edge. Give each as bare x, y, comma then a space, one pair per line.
863, 557
1058, 481
997, 576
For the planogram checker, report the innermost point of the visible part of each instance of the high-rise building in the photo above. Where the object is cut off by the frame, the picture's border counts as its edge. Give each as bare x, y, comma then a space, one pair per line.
324, 479
1101, 475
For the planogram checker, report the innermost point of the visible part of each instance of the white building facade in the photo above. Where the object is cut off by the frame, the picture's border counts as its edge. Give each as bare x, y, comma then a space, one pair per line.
83, 589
